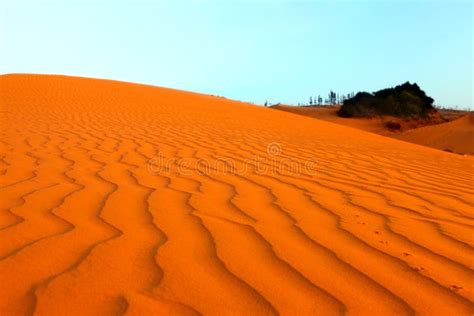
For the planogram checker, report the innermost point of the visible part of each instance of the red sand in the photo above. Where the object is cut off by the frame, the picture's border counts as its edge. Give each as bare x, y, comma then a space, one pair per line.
91, 225
457, 135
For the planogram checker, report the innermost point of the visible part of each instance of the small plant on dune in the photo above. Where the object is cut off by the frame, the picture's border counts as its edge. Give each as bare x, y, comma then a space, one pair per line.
394, 126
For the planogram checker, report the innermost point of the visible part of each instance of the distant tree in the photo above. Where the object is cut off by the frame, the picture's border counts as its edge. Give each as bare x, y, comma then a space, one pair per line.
405, 100
320, 100
310, 100
266, 103
332, 97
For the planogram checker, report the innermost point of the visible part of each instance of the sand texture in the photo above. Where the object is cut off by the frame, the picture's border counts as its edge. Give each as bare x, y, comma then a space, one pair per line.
119, 198
447, 130
456, 136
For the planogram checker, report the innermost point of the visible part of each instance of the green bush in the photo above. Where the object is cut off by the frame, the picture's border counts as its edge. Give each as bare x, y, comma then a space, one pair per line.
406, 100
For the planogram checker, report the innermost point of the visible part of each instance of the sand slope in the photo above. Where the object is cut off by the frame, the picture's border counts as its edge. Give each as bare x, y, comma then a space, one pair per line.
118, 198
457, 135
329, 113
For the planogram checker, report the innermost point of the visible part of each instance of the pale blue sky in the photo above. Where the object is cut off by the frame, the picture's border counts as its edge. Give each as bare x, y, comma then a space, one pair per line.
248, 50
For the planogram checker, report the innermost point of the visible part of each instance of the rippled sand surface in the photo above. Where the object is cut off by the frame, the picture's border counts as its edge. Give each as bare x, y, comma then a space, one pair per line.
117, 198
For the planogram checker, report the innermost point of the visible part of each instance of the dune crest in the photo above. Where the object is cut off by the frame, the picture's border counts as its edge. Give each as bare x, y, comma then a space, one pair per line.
119, 198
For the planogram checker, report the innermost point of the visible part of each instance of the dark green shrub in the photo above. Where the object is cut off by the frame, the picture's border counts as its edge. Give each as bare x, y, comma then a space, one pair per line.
406, 100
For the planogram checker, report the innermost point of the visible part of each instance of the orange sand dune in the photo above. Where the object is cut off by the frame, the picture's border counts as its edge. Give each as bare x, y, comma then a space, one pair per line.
329, 113
118, 198
457, 135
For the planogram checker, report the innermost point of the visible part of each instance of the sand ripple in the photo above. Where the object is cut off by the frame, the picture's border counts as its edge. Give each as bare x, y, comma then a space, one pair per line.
119, 198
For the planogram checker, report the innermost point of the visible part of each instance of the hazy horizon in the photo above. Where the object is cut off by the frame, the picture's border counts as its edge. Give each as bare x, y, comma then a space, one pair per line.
282, 51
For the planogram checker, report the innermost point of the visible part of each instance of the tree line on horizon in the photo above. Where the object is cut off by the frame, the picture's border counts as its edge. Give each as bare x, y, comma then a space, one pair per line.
405, 100
332, 98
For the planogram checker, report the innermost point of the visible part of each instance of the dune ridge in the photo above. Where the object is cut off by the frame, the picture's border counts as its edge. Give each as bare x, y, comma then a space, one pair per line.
118, 198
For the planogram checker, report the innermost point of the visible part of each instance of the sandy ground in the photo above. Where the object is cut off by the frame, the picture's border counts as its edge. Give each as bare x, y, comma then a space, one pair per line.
456, 136
440, 131
329, 114
118, 198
